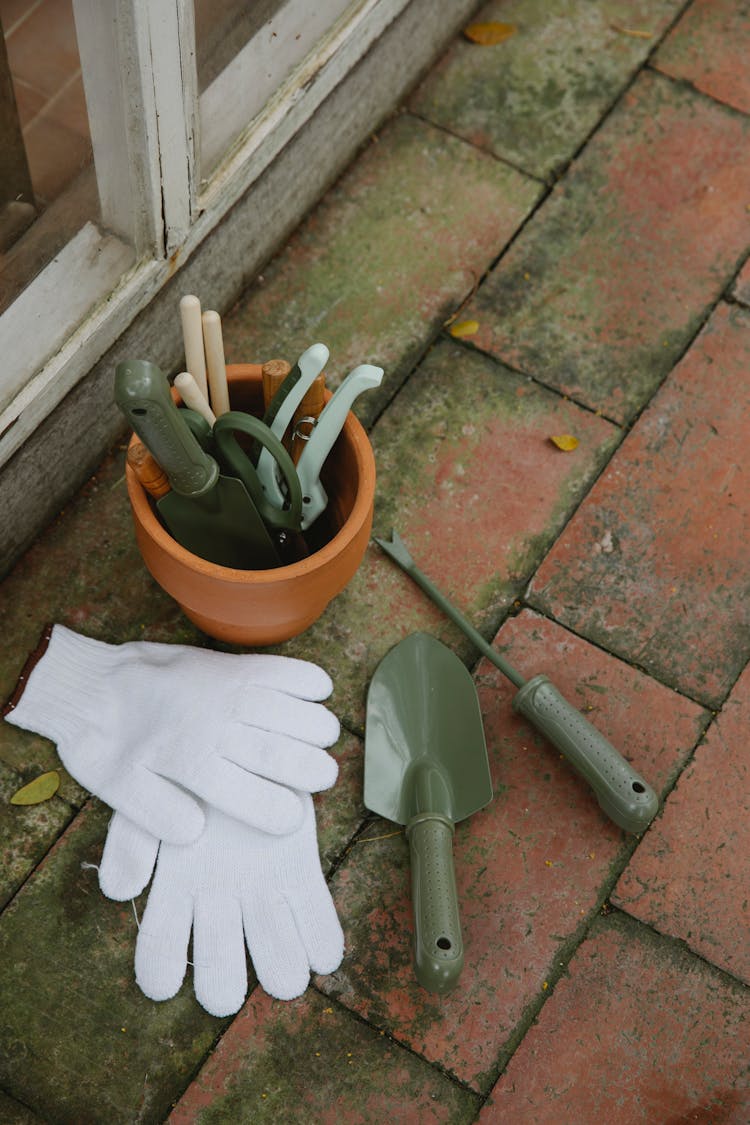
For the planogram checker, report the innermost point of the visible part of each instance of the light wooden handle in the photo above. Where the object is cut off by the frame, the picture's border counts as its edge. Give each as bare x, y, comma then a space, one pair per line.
275, 372
193, 397
215, 362
147, 469
192, 335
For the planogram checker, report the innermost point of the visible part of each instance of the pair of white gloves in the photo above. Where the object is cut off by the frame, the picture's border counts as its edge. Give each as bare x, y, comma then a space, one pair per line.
208, 760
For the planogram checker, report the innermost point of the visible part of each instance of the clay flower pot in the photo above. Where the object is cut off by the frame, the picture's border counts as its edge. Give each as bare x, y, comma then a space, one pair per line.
265, 607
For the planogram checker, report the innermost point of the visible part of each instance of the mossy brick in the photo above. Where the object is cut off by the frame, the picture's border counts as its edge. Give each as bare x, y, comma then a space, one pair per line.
638, 1030
534, 98
689, 876
27, 832
78, 1040
469, 478
310, 1060
388, 255
611, 279
653, 564
78, 1037
532, 868
13, 1113
709, 48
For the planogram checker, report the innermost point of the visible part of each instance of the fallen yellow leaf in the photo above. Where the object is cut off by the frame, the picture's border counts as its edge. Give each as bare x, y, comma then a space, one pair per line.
489, 34
38, 790
566, 442
464, 328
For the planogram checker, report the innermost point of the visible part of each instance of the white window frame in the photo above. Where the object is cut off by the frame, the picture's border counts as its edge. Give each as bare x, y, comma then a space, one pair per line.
145, 135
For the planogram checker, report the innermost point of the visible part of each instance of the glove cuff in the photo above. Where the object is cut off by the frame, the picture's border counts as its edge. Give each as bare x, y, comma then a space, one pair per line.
59, 694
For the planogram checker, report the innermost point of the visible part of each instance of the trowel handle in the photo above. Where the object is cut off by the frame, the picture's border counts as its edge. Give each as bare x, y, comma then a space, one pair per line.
438, 945
142, 394
622, 793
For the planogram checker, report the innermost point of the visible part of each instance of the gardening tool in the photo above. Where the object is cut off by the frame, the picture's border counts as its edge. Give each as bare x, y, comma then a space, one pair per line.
327, 429
426, 767
192, 337
281, 411
193, 397
622, 793
217, 371
207, 513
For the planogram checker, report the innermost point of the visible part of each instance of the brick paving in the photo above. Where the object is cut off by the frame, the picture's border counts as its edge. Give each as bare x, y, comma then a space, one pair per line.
580, 190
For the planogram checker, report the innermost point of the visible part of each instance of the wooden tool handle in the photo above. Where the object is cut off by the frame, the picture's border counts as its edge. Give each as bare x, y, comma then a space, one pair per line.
147, 469
217, 371
275, 372
311, 407
193, 397
192, 336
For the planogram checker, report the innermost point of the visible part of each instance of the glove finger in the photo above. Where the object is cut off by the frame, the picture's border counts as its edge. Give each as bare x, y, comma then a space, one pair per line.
318, 925
157, 805
280, 758
275, 711
219, 958
127, 860
253, 800
277, 953
162, 945
292, 676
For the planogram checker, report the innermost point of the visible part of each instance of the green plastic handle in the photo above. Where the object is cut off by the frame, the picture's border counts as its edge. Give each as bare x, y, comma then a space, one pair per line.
142, 394
438, 945
237, 461
621, 792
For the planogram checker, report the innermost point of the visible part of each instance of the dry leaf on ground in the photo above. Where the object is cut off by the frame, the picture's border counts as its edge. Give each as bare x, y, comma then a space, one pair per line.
464, 328
489, 34
38, 790
566, 442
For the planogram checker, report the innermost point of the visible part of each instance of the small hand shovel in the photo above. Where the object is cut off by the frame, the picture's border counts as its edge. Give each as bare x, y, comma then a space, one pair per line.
622, 793
207, 513
426, 767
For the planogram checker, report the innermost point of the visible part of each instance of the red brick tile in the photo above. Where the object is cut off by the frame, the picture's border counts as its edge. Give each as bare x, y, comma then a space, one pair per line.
709, 47
530, 867
689, 876
308, 1061
392, 250
477, 491
534, 98
641, 1031
603, 290
653, 565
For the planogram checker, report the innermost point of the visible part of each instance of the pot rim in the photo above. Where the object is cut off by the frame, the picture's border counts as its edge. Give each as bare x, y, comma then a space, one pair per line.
353, 431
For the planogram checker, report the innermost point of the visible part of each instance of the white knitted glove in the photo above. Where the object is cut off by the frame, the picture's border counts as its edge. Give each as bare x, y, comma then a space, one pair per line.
232, 880
145, 726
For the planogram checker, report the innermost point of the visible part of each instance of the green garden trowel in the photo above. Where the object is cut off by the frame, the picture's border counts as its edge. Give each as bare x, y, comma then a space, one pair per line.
426, 767
623, 794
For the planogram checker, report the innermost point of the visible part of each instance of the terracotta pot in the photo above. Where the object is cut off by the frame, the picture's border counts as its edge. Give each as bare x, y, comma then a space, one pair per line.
265, 607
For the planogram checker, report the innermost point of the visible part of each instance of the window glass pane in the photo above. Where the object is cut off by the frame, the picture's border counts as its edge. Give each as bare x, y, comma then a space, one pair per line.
43, 105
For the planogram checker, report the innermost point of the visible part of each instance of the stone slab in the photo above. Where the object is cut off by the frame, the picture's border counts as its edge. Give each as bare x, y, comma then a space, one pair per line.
469, 478
534, 99
532, 868
709, 48
638, 1031
689, 876
604, 289
395, 247
309, 1060
653, 564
